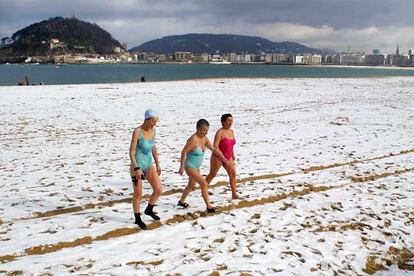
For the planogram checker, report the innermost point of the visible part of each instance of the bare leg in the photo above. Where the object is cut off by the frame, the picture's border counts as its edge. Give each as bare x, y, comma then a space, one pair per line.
155, 183
197, 177
136, 201
137, 197
215, 165
231, 171
188, 189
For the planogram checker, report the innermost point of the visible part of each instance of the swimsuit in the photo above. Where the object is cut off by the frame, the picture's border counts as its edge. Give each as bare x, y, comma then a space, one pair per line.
194, 158
143, 151
226, 147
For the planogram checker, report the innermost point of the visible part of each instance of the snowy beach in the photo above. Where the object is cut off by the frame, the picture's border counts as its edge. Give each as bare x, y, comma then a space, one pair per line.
325, 169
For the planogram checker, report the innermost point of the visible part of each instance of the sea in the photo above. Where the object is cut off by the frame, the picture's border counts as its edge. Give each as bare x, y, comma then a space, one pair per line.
51, 74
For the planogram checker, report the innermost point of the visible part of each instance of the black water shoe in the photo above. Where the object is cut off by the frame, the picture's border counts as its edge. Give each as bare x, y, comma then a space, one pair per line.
149, 211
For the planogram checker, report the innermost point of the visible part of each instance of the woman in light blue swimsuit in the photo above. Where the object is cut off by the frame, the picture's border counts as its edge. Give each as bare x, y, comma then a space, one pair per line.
141, 152
191, 159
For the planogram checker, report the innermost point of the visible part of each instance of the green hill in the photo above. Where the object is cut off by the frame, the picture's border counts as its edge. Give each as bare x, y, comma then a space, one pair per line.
220, 43
59, 36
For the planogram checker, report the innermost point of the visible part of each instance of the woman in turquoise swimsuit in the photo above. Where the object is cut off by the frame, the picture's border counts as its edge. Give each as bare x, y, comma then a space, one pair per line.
140, 151
191, 159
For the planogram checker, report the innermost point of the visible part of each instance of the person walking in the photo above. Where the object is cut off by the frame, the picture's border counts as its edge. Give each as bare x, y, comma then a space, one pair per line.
191, 160
224, 141
141, 152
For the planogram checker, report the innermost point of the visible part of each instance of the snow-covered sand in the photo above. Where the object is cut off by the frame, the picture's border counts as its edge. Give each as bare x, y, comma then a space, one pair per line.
325, 168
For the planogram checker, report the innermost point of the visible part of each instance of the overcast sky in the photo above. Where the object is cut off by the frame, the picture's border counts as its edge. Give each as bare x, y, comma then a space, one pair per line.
336, 24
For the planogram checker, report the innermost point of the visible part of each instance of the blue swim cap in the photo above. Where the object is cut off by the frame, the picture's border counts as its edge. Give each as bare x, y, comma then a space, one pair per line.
150, 113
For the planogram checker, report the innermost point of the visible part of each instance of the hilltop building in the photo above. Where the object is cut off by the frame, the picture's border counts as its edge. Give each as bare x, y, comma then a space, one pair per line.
55, 43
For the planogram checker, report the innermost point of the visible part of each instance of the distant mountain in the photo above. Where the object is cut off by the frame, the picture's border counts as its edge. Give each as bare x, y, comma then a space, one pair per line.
220, 43
67, 35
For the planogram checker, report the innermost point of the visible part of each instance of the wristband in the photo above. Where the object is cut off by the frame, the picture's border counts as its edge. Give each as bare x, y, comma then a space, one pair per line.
136, 168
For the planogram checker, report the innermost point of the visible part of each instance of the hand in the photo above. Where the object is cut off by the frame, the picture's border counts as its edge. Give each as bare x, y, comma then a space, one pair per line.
181, 171
158, 169
225, 161
234, 158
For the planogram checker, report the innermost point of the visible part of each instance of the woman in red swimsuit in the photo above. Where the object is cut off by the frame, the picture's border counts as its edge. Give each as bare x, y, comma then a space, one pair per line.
224, 140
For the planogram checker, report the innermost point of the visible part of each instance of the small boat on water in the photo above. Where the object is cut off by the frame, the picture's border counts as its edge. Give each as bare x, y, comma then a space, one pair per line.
220, 62
217, 59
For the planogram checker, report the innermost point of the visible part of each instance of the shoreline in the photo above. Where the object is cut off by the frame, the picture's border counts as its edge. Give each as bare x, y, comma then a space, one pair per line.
209, 79
364, 67
382, 67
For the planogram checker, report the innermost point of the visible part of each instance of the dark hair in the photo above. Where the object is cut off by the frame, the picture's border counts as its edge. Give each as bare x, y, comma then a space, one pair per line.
201, 123
224, 117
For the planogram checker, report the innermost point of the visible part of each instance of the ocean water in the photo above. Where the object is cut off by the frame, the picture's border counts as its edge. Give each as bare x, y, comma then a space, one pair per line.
11, 74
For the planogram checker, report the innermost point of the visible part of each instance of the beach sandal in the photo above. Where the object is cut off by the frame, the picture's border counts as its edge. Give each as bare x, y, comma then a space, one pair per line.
183, 204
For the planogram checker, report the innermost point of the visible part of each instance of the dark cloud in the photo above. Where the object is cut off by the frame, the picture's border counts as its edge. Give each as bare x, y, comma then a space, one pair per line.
135, 21
334, 13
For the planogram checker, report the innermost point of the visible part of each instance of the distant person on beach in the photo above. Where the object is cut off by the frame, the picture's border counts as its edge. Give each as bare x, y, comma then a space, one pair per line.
25, 81
224, 141
191, 159
140, 151
143, 78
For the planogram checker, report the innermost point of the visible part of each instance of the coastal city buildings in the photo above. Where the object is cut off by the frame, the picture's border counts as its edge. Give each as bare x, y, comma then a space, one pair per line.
376, 58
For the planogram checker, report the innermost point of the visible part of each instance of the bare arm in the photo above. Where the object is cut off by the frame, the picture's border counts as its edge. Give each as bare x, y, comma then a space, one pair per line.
155, 155
157, 163
188, 146
217, 139
216, 151
132, 148
233, 156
